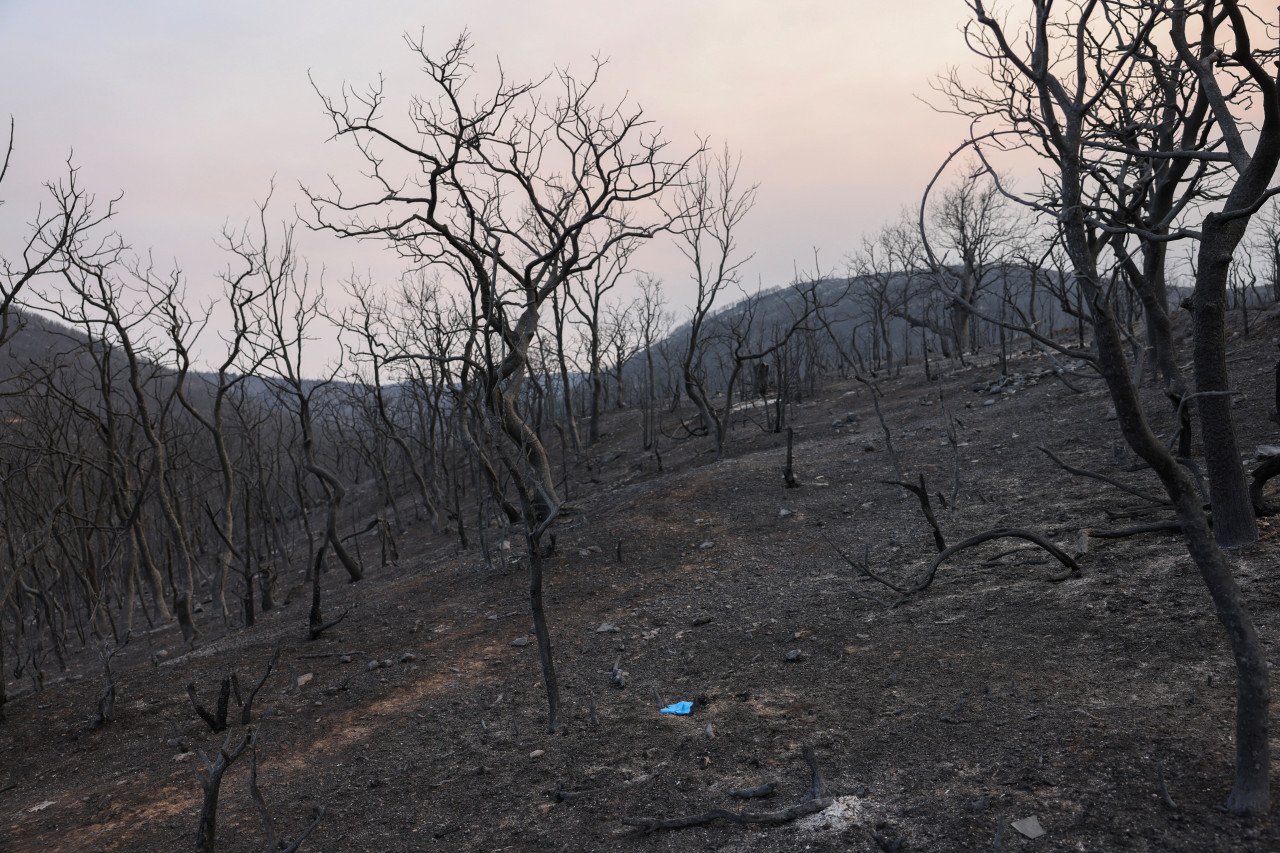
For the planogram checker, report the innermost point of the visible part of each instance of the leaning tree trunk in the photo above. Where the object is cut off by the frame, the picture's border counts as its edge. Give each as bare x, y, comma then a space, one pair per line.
1251, 791
1233, 520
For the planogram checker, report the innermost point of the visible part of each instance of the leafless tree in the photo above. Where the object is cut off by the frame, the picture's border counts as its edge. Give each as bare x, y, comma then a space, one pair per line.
588, 297
517, 192
281, 321
1046, 75
711, 208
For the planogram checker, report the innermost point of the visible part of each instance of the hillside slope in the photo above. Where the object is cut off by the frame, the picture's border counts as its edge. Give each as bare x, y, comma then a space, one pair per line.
994, 696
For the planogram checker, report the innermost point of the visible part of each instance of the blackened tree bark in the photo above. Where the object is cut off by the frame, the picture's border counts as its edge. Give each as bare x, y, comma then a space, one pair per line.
1059, 66
516, 193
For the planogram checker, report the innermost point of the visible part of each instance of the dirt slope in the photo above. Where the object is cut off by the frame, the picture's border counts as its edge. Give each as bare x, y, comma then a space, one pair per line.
996, 695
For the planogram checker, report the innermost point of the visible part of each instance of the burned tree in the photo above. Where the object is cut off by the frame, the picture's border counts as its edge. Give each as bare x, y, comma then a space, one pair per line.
516, 191
1045, 79
711, 210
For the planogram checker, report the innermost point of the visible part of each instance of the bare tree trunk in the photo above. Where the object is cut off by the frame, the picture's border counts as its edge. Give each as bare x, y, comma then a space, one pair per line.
1233, 519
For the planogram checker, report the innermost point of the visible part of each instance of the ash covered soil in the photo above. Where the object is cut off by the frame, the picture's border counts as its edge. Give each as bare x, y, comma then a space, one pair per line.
994, 696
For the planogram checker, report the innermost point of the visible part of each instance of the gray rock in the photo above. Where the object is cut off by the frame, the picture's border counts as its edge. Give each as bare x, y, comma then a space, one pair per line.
408, 657
703, 620
783, 513
795, 656
606, 628
1030, 827
520, 642
988, 402
706, 545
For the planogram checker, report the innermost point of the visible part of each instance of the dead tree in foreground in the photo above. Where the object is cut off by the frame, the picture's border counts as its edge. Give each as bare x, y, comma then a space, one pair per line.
1057, 69
211, 781
516, 192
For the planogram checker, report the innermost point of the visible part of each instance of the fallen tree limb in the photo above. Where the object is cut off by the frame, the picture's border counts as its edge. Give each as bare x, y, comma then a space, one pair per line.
1170, 526
1094, 475
813, 802
999, 533
863, 567
1135, 512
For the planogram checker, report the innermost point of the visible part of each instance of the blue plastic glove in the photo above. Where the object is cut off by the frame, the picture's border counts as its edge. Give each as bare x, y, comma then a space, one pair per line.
681, 708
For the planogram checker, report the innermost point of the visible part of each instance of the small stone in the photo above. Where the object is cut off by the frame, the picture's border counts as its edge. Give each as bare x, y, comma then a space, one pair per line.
795, 656
852, 418
371, 666
706, 545
408, 657
606, 628
988, 402
784, 513
537, 753
1111, 416
703, 620
305, 678
868, 447
836, 424
593, 549
345, 659
386, 664
1030, 827
583, 552
520, 642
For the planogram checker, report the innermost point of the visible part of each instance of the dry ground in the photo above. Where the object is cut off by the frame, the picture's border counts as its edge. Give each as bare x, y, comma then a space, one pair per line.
996, 695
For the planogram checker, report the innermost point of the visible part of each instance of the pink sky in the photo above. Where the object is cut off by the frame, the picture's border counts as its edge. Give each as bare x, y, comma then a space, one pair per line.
190, 109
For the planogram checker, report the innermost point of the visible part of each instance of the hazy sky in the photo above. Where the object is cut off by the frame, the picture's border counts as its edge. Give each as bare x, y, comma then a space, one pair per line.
189, 109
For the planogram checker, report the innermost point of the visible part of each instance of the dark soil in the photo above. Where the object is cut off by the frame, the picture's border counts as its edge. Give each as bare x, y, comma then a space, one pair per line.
994, 696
